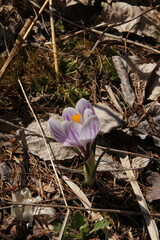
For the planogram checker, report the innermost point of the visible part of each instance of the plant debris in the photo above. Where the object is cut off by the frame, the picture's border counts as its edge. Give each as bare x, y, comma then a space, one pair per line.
108, 53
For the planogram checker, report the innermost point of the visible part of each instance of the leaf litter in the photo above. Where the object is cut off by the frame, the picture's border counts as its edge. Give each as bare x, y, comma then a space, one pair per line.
136, 127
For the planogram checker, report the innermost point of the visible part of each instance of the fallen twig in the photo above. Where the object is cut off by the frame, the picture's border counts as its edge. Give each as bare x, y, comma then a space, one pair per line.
45, 142
54, 41
117, 211
107, 36
16, 46
150, 223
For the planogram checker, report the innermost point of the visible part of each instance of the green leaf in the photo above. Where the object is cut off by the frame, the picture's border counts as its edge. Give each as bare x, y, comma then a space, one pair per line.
100, 225
57, 227
78, 220
84, 231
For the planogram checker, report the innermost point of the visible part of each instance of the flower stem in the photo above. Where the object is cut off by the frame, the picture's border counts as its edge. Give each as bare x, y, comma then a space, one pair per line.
89, 170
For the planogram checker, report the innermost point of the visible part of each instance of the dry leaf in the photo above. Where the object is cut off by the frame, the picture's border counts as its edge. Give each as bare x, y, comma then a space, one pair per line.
150, 223
139, 162
5, 172
109, 118
146, 24
26, 213
36, 146
153, 88
150, 126
95, 216
154, 192
48, 188
138, 78
107, 164
126, 87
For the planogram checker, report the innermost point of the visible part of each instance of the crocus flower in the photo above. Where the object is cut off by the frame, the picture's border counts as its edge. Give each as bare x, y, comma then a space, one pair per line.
78, 129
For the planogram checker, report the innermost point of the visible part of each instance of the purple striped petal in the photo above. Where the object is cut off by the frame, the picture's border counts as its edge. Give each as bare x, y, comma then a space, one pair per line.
68, 113
72, 131
89, 131
87, 114
83, 104
56, 131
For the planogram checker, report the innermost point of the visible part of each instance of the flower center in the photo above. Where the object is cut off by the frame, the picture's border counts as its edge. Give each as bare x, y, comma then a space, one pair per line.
77, 117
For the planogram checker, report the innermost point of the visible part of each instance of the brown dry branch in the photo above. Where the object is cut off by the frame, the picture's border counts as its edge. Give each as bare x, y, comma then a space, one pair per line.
144, 114
54, 41
106, 36
150, 223
35, 19
113, 99
16, 46
51, 155
30, 22
45, 142
117, 211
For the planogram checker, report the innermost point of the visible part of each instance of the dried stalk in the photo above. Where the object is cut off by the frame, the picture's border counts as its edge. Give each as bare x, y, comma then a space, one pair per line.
45, 142
54, 41
117, 211
106, 35
30, 22
16, 46
87, 204
35, 19
51, 159
150, 223
64, 224
113, 99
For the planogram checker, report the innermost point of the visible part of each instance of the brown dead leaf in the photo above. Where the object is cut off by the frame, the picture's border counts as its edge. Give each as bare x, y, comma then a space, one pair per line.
5, 172
154, 192
139, 162
39, 232
7, 223
18, 230
49, 188
132, 19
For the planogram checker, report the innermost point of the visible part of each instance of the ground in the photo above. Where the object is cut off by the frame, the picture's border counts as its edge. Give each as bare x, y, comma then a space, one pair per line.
84, 70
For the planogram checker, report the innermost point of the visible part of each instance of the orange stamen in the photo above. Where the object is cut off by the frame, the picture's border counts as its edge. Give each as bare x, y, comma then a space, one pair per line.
77, 117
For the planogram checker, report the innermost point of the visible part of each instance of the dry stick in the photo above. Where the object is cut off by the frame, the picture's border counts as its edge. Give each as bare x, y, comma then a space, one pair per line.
117, 211
108, 36
22, 36
25, 129
4, 36
127, 152
16, 46
64, 224
45, 142
113, 99
35, 19
144, 114
127, 21
53, 165
54, 41
121, 39
150, 223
